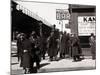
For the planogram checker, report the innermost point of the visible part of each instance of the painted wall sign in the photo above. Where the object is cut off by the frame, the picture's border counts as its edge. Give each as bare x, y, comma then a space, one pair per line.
86, 25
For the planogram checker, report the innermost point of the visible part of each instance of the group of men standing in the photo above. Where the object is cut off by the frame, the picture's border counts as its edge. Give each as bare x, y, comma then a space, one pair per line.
29, 52
64, 45
58, 45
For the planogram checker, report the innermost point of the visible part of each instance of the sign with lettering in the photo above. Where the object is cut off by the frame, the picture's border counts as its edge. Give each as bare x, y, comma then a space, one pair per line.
86, 25
62, 14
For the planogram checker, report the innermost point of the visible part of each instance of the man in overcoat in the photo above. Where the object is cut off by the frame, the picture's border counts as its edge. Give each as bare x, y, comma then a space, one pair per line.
92, 46
63, 46
76, 50
43, 46
20, 39
35, 51
52, 47
26, 56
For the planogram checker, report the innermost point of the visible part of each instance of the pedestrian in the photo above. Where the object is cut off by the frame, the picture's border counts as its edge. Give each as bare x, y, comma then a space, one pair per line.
63, 45
35, 51
20, 38
52, 46
43, 46
71, 41
26, 56
75, 48
92, 46
67, 45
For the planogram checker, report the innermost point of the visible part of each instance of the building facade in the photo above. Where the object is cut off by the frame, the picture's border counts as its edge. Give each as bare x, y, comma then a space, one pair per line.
83, 22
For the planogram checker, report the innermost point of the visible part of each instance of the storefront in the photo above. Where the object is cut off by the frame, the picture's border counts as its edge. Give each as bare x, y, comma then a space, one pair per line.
83, 22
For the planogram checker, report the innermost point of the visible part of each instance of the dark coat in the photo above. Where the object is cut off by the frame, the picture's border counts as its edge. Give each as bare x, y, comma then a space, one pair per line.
27, 45
35, 51
43, 45
19, 47
52, 50
76, 49
26, 57
67, 44
26, 60
92, 46
64, 44
36, 56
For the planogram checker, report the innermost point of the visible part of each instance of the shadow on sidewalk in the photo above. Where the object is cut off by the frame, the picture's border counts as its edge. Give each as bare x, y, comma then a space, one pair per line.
44, 64
35, 69
14, 63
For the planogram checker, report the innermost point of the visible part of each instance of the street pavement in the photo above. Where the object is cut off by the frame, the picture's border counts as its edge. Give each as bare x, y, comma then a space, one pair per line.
66, 64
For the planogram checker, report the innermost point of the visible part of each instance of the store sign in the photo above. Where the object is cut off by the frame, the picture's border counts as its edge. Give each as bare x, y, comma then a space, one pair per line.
86, 25
62, 14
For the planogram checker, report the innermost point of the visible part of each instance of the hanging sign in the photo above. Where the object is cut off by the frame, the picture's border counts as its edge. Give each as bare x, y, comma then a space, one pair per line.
62, 14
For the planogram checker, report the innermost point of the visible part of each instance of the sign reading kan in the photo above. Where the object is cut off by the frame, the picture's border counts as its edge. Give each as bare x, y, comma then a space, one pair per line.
62, 14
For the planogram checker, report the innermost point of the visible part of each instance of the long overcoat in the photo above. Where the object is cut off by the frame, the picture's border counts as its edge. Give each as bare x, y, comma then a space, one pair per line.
93, 47
52, 50
35, 51
19, 47
76, 49
26, 57
43, 45
64, 44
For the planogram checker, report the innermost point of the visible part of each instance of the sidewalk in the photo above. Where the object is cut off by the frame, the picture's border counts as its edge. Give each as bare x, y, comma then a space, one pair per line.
67, 65
56, 66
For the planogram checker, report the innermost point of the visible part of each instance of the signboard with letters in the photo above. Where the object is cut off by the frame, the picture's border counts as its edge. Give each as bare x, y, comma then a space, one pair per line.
86, 25
62, 14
